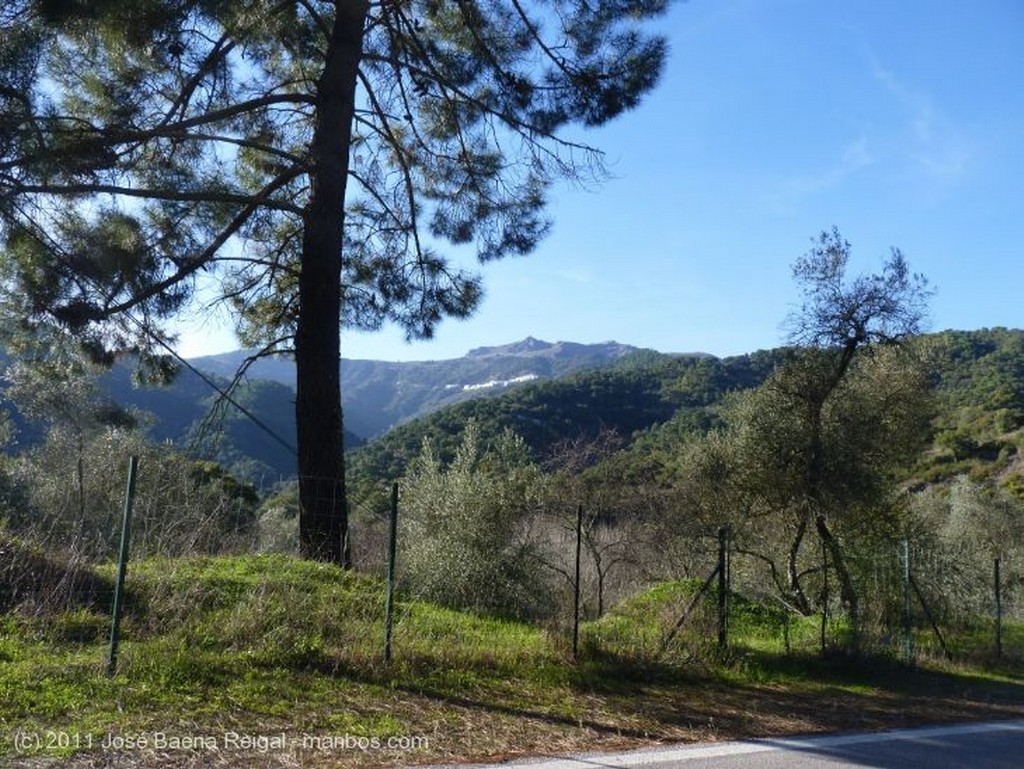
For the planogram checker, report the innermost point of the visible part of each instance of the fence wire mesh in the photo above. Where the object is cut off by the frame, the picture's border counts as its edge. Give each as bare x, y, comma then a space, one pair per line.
943, 600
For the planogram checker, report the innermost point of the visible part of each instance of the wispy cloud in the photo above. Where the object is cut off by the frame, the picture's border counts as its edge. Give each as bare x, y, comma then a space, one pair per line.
932, 143
582, 277
906, 138
851, 158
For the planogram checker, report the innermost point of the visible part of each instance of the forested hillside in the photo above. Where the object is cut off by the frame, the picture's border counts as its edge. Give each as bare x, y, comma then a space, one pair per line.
655, 402
979, 385
189, 412
641, 391
656, 454
649, 398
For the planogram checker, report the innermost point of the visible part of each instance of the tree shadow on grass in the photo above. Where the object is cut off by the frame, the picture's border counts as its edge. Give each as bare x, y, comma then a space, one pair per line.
44, 584
791, 695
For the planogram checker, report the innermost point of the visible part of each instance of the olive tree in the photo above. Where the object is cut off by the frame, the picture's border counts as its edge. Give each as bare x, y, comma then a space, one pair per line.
464, 527
840, 320
818, 445
958, 531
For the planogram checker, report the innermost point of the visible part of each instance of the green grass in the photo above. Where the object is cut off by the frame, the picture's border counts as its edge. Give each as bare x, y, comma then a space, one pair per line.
257, 638
642, 626
270, 644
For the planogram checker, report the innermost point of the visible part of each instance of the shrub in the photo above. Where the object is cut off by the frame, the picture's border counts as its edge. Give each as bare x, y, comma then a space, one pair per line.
462, 527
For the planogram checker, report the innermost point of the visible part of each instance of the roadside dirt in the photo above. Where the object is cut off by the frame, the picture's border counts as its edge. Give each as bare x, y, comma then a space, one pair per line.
632, 714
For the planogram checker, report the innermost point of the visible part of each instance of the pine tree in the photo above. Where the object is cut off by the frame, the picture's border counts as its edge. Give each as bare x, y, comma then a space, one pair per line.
307, 157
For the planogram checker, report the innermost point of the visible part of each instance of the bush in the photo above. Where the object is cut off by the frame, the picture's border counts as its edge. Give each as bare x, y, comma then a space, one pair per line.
462, 528
71, 498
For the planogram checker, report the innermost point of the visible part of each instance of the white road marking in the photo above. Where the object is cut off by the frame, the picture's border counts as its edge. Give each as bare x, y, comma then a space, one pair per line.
653, 757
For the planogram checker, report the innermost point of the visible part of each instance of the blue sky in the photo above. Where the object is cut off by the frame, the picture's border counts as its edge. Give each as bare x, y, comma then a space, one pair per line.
899, 121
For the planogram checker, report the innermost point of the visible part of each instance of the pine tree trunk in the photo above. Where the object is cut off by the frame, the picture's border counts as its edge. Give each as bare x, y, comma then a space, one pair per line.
323, 517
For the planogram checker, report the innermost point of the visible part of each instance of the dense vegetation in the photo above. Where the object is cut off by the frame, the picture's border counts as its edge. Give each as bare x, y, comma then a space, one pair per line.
341, 146
638, 393
656, 401
857, 492
663, 450
864, 482
654, 405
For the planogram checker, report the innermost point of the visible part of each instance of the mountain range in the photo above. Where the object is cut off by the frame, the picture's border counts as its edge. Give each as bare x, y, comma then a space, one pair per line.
652, 405
377, 395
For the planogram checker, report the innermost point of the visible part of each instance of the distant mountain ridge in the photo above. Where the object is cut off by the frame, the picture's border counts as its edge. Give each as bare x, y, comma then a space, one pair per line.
379, 395
550, 392
654, 402
531, 347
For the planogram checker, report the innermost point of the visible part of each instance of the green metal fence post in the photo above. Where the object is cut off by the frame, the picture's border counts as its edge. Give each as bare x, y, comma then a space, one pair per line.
389, 611
576, 584
723, 587
824, 599
122, 567
908, 637
999, 612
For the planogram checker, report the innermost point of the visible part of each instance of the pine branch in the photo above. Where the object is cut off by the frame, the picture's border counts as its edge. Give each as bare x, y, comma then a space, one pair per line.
207, 196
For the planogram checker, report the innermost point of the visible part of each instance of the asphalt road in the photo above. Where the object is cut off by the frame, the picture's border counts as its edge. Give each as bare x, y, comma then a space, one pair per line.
992, 745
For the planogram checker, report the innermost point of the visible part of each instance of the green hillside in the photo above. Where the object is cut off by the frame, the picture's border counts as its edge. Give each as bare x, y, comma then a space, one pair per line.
978, 425
653, 398
640, 391
379, 395
226, 632
657, 401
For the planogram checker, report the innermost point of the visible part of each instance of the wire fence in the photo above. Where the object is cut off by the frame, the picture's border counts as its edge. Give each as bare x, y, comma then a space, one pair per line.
915, 599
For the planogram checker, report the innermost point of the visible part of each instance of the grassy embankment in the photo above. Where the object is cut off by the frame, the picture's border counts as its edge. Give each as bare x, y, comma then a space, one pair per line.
270, 661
